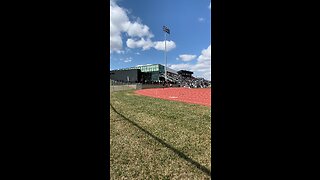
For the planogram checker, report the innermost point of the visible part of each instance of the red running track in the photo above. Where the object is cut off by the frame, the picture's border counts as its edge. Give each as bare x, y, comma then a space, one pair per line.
194, 96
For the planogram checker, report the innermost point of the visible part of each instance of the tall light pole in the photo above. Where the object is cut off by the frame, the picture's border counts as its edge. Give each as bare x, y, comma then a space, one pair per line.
165, 55
166, 30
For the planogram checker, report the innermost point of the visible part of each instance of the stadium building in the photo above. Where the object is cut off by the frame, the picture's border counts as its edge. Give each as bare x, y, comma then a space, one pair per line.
155, 73
142, 73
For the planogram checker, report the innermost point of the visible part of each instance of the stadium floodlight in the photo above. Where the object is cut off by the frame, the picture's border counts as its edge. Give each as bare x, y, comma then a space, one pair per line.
166, 30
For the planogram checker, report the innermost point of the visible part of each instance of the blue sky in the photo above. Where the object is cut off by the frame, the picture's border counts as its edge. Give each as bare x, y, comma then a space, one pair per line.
136, 35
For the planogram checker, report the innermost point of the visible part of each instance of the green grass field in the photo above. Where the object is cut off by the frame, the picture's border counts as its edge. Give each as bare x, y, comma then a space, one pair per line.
158, 139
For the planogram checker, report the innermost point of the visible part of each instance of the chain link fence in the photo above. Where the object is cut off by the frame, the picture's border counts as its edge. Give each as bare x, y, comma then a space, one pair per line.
121, 86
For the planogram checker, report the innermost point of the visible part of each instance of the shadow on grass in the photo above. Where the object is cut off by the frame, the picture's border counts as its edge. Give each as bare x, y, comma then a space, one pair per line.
180, 154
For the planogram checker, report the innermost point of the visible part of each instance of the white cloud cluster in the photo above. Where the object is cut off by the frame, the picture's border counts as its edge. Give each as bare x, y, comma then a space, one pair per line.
136, 29
187, 57
138, 33
120, 23
210, 6
180, 66
203, 66
205, 55
142, 43
159, 45
117, 18
147, 44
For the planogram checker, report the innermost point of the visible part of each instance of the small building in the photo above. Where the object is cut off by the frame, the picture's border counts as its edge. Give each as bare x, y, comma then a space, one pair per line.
185, 73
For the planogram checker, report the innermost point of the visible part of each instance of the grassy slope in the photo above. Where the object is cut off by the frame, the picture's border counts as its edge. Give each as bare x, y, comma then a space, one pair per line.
173, 137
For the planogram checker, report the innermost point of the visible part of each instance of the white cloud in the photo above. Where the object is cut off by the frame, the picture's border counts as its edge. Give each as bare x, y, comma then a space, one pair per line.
137, 53
115, 43
136, 29
159, 45
179, 67
187, 57
205, 55
120, 23
142, 43
210, 6
117, 17
147, 44
200, 19
139, 35
202, 68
